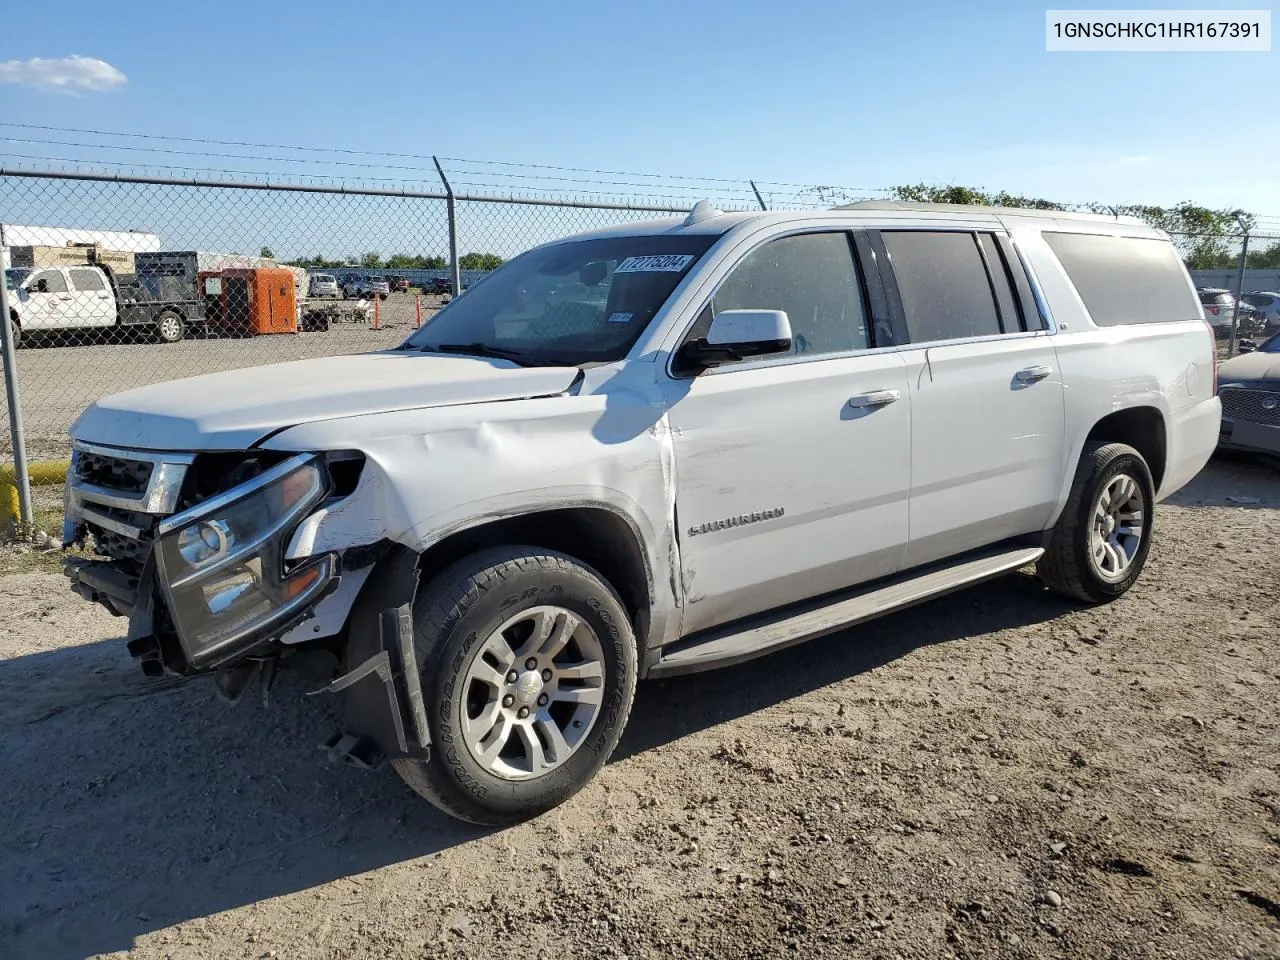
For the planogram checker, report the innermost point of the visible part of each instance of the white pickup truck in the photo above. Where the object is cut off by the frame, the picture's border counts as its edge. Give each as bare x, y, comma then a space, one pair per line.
650, 450
60, 300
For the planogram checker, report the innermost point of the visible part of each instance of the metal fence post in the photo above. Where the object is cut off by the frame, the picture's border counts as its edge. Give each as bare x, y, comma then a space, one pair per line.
27, 519
1235, 310
452, 205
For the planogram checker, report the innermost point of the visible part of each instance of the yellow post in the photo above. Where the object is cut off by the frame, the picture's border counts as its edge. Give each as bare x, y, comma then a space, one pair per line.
41, 474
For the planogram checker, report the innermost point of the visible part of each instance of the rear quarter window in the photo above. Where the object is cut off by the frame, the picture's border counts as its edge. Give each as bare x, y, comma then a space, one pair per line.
1125, 280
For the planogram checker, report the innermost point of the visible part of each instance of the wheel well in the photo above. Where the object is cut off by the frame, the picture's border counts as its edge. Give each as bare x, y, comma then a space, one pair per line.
598, 537
1141, 428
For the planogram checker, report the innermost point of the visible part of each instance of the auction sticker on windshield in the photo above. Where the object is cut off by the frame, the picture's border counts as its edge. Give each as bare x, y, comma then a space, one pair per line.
670, 263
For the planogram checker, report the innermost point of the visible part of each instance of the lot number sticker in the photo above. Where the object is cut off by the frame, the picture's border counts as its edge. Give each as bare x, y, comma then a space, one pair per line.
620, 318
670, 263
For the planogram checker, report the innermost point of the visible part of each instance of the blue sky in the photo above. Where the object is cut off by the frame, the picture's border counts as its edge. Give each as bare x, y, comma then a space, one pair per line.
803, 92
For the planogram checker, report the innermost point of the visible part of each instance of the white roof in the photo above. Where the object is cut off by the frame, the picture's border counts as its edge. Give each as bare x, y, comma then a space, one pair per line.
873, 211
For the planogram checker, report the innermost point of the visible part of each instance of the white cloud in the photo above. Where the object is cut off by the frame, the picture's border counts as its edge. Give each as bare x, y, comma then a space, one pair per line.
1134, 161
63, 74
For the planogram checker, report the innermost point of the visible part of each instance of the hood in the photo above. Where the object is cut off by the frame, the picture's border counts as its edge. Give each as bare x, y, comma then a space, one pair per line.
1250, 366
235, 409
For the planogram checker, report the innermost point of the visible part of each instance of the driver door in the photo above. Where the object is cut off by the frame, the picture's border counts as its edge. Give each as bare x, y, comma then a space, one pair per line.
47, 302
791, 481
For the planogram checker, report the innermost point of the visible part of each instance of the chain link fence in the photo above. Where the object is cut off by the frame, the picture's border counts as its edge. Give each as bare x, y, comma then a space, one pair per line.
1237, 276
122, 281
119, 282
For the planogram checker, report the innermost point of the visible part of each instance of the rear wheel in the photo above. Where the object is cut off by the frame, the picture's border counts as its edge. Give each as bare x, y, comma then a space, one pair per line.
170, 328
1099, 546
528, 667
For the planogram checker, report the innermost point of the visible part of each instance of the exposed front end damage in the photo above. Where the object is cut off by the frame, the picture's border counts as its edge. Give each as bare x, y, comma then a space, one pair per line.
209, 557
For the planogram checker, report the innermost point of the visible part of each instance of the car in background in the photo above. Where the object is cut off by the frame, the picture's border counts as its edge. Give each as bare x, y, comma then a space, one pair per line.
324, 285
362, 288
438, 286
1219, 308
398, 284
1267, 303
1249, 387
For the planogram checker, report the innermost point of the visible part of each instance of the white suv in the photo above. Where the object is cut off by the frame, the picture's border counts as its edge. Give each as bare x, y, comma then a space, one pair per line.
651, 450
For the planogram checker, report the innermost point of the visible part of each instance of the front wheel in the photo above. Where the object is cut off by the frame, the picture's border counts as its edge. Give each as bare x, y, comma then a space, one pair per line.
1100, 543
15, 333
170, 328
528, 666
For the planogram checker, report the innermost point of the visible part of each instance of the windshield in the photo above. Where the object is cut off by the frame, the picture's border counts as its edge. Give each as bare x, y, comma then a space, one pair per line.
584, 301
14, 277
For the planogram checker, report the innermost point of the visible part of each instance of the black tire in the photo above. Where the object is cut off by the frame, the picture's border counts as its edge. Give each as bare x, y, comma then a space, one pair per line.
170, 327
1067, 566
463, 606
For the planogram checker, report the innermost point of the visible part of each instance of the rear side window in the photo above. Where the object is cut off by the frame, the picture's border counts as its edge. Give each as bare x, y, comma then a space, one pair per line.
1125, 280
87, 280
943, 282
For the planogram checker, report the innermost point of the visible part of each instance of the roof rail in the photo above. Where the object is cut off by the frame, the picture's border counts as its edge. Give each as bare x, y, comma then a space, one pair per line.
909, 205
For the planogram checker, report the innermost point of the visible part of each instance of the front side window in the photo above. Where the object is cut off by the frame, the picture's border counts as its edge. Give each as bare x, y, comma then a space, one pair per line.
813, 279
48, 281
943, 282
583, 301
87, 280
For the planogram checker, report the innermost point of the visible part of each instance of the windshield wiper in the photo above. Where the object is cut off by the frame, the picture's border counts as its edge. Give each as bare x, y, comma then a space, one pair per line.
477, 350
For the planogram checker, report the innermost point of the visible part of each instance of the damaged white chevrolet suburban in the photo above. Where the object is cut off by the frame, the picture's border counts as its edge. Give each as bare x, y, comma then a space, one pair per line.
654, 449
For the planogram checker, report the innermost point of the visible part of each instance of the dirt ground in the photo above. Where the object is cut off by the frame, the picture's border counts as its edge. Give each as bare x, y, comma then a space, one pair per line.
995, 774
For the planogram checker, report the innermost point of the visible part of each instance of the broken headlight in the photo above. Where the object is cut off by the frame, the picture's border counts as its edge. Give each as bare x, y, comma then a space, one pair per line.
221, 563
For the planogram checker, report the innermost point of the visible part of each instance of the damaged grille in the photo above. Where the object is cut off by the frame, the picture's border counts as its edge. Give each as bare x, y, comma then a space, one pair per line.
115, 473
1251, 406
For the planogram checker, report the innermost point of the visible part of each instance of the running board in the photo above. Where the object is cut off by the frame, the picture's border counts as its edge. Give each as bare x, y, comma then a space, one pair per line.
773, 632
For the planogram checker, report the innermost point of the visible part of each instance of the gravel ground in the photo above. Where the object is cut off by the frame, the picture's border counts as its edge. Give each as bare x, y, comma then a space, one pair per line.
996, 774
59, 377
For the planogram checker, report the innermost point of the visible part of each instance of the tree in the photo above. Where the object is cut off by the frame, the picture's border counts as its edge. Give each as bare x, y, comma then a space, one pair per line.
479, 261
267, 253
924, 193
415, 261
1204, 237
371, 261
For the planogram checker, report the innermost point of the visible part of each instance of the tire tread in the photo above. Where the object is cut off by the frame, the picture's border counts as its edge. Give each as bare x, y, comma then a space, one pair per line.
1059, 568
449, 595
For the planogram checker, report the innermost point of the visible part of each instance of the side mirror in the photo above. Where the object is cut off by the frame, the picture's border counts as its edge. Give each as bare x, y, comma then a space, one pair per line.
738, 335
1246, 346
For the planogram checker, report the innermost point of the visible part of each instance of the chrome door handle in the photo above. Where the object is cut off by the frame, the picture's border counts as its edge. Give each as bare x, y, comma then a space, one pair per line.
875, 398
1033, 374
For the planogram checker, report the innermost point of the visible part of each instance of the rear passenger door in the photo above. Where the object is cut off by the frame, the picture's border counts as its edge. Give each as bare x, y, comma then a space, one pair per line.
987, 407
94, 305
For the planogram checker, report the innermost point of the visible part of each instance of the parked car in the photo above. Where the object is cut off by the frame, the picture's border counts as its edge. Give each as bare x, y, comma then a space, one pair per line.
324, 285
1219, 310
1250, 392
1267, 303
398, 284
360, 288
644, 452
438, 286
